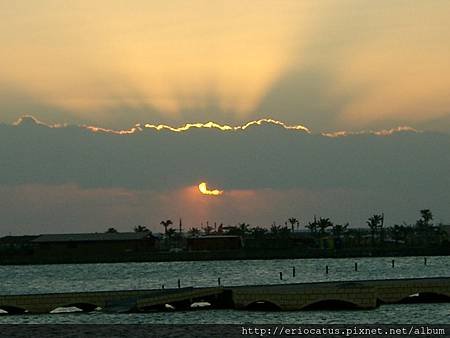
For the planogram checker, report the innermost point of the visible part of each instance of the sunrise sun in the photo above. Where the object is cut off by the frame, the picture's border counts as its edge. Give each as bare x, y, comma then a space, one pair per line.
205, 191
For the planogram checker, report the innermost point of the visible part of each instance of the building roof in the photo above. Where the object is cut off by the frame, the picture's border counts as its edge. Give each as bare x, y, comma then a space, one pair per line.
93, 237
16, 239
214, 236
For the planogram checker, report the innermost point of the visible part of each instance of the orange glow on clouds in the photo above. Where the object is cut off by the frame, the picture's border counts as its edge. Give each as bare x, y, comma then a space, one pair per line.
204, 190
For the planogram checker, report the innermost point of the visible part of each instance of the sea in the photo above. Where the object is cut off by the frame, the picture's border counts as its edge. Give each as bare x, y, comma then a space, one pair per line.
32, 279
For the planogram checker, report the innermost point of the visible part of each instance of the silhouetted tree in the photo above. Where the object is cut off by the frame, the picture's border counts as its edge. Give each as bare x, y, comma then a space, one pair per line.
397, 233
312, 226
323, 224
171, 233
258, 232
141, 228
284, 232
293, 221
244, 228
427, 216
111, 231
424, 222
220, 229
355, 236
166, 224
374, 223
338, 229
207, 229
232, 230
194, 231
424, 228
441, 234
274, 229
408, 233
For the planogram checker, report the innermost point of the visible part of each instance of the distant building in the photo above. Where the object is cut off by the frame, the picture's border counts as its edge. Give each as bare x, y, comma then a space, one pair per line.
90, 247
119, 242
16, 243
214, 243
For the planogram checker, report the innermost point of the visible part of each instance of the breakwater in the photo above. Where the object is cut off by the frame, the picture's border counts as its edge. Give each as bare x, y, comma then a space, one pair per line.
361, 294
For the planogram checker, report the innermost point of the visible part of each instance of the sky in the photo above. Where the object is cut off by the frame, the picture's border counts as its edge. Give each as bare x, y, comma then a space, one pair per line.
358, 91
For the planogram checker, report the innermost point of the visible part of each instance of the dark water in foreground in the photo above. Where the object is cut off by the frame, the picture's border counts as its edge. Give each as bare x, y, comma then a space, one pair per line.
119, 276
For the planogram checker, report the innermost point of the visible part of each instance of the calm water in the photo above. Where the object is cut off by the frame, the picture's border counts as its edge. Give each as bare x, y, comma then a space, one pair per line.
92, 277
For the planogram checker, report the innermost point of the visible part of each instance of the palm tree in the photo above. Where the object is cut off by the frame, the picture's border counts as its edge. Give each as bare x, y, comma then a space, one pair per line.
441, 234
284, 232
274, 230
220, 229
312, 226
244, 229
293, 221
397, 233
374, 223
141, 228
339, 229
424, 222
427, 217
258, 232
194, 231
355, 235
208, 229
323, 224
111, 231
232, 230
166, 224
424, 228
171, 232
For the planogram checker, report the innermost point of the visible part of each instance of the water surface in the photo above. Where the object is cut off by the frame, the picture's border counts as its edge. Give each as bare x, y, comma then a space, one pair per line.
120, 276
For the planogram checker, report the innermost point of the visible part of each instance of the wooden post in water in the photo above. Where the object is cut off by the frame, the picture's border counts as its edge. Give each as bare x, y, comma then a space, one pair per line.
281, 275
326, 269
356, 266
162, 286
293, 271
218, 281
424, 261
179, 284
393, 263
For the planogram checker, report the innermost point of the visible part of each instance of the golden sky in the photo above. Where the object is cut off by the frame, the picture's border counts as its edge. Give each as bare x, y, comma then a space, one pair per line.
326, 64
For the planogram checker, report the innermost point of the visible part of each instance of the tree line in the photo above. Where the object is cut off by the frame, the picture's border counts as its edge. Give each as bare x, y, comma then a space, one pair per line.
423, 232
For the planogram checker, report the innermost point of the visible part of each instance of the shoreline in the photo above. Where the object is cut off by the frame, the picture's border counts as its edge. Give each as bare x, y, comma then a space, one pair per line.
183, 256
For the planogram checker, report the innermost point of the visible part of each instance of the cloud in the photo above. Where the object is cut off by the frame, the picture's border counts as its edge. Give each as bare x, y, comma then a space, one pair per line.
269, 155
73, 178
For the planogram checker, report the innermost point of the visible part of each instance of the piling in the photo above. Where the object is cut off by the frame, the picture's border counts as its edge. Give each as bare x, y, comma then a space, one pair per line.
356, 266
424, 261
293, 271
281, 275
179, 284
218, 281
393, 263
326, 269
